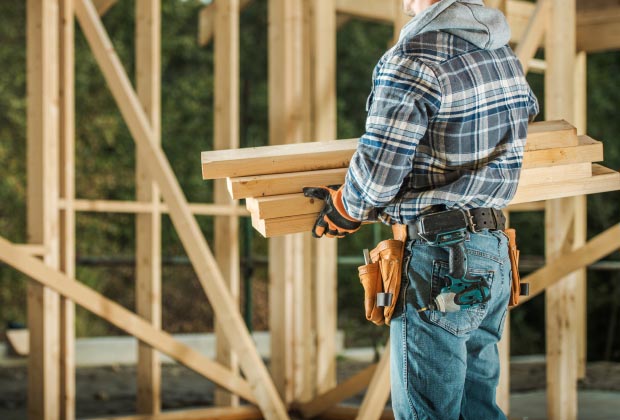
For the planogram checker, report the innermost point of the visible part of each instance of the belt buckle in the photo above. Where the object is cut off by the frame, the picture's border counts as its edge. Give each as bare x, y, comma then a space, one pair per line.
470, 220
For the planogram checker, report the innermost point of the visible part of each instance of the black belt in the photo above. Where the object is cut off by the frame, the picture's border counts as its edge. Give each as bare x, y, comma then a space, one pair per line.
474, 220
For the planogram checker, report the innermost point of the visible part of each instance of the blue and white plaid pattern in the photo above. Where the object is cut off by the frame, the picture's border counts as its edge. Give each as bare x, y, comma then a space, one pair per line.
447, 124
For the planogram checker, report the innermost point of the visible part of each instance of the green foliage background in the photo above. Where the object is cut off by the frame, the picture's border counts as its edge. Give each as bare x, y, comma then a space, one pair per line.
105, 156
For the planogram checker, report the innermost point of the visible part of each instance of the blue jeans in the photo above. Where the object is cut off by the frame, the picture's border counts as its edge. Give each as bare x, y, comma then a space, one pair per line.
446, 366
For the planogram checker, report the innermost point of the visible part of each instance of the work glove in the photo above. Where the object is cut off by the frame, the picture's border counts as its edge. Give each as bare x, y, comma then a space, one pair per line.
333, 221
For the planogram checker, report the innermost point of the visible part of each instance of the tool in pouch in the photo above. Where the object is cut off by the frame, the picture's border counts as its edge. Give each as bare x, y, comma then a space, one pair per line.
516, 287
381, 276
449, 229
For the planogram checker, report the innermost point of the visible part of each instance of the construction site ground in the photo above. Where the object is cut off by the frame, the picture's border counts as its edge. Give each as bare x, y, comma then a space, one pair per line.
110, 390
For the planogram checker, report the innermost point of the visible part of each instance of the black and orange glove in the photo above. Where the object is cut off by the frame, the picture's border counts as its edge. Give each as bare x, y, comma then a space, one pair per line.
333, 221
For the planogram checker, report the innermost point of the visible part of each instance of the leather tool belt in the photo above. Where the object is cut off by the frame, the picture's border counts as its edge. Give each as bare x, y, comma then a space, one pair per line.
381, 277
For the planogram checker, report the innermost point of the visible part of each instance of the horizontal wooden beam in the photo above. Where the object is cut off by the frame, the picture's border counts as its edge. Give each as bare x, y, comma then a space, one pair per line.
219, 413
597, 248
122, 318
598, 29
334, 154
532, 206
300, 214
115, 206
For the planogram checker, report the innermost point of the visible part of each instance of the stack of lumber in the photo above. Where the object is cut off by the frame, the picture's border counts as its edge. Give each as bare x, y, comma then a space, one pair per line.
557, 163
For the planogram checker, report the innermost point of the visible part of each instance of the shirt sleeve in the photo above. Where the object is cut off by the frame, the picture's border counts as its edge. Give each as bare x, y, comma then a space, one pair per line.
406, 95
532, 106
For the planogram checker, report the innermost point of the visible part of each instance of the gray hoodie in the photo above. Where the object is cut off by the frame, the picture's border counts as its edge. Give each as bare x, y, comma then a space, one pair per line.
482, 26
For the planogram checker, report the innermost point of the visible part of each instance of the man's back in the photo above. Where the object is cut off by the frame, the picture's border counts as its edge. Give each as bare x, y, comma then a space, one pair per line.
447, 123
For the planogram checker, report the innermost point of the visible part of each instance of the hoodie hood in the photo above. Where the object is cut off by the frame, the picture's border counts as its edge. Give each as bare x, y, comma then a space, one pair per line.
470, 20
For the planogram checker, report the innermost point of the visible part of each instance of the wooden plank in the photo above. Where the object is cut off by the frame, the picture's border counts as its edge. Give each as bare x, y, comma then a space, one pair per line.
278, 184
553, 183
534, 33
148, 225
555, 270
19, 342
557, 173
333, 154
226, 136
343, 391
122, 318
206, 21
561, 333
550, 134
187, 228
531, 206
378, 390
588, 150
291, 183
42, 135
115, 206
67, 215
300, 216
229, 413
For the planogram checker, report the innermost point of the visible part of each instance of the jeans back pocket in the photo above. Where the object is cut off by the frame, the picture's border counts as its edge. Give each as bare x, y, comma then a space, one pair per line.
461, 322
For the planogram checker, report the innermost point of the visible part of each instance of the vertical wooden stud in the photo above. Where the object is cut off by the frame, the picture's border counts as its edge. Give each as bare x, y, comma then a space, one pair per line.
581, 217
560, 222
322, 36
42, 202
67, 215
286, 125
148, 225
226, 128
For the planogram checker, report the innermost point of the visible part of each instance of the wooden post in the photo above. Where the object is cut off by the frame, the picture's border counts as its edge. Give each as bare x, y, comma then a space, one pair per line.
67, 215
561, 223
286, 116
43, 221
581, 217
322, 59
226, 128
148, 225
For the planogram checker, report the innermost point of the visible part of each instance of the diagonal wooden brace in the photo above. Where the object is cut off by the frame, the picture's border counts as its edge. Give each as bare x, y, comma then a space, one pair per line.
186, 226
122, 318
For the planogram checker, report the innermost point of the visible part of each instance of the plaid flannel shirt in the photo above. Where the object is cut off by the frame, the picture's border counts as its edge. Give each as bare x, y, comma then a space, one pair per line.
447, 124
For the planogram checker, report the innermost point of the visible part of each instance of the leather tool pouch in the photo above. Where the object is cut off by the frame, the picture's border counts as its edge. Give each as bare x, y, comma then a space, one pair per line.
516, 288
382, 277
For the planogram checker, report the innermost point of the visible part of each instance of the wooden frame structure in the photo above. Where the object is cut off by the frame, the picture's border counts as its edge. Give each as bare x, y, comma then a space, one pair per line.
303, 373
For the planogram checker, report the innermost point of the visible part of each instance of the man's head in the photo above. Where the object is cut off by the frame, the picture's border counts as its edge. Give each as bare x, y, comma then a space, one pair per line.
414, 7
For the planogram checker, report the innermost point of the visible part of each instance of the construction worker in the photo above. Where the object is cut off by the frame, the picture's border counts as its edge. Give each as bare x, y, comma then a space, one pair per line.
447, 123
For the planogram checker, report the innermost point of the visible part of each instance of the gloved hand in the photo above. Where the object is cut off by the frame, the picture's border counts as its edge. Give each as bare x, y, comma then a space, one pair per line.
333, 221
